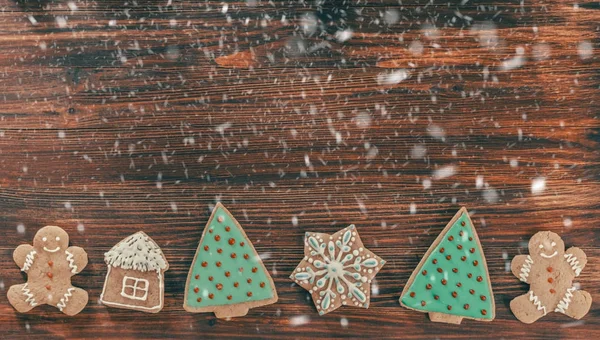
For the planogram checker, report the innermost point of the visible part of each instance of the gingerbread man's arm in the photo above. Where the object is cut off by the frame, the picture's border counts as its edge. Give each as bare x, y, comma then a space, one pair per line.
576, 259
24, 256
521, 266
77, 258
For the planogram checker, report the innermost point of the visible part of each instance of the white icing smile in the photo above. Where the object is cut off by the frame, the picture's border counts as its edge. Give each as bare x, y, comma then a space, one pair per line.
549, 256
52, 250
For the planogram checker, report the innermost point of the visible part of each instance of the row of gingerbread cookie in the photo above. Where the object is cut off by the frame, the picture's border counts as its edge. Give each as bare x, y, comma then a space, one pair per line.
227, 276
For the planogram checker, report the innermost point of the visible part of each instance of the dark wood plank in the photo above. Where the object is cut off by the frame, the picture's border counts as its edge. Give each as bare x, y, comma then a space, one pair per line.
140, 116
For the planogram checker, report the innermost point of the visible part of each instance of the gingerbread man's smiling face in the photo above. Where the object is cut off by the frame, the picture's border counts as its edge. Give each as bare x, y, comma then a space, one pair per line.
51, 239
546, 245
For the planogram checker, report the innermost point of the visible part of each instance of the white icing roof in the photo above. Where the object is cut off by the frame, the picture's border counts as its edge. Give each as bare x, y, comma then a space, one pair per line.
138, 252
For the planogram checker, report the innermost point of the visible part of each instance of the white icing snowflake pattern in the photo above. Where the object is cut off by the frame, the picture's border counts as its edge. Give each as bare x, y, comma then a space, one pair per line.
337, 270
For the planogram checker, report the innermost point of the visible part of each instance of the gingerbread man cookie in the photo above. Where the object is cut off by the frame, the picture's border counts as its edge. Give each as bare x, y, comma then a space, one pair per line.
550, 271
49, 265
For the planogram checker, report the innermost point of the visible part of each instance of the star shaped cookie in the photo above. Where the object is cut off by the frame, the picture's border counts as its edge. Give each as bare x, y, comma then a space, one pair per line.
337, 270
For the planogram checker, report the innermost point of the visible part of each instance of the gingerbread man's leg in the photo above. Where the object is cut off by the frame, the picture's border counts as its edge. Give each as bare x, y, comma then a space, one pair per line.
527, 308
21, 297
72, 301
575, 303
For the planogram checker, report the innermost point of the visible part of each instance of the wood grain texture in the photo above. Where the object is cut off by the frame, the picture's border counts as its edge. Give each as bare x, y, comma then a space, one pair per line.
125, 116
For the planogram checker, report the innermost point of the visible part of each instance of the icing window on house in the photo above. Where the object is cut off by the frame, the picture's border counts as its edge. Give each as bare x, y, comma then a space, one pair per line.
133, 288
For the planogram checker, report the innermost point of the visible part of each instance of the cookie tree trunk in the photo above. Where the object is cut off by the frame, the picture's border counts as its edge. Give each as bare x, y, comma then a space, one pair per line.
446, 318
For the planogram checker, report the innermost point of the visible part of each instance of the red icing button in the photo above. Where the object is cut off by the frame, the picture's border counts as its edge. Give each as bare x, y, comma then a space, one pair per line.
211, 295
217, 238
231, 241
262, 285
552, 291
49, 275
199, 299
254, 270
412, 294
196, 290
249, 294
197, 276
229, 297
422, 303
550, 280
235, 284
210, 278
205, 248
227, 228
549, 269
246, 256
227, 274
50, 263
48, 287
219, 286
233, 255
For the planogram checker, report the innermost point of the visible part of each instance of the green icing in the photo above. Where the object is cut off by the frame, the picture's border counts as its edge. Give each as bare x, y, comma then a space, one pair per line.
456, 273
239, 268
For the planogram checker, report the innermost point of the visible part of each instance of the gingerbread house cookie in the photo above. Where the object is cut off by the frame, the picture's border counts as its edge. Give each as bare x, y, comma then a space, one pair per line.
135, 277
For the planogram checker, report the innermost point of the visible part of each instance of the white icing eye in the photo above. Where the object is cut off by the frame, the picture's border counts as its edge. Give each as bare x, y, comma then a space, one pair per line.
44, 239
553, 244
541, 246
57, 238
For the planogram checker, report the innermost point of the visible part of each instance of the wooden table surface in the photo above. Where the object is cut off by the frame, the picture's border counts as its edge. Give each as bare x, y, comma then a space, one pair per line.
119, 116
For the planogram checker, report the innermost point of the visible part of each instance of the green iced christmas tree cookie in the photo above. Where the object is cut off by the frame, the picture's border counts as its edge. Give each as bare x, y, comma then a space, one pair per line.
452, 281
227, 276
